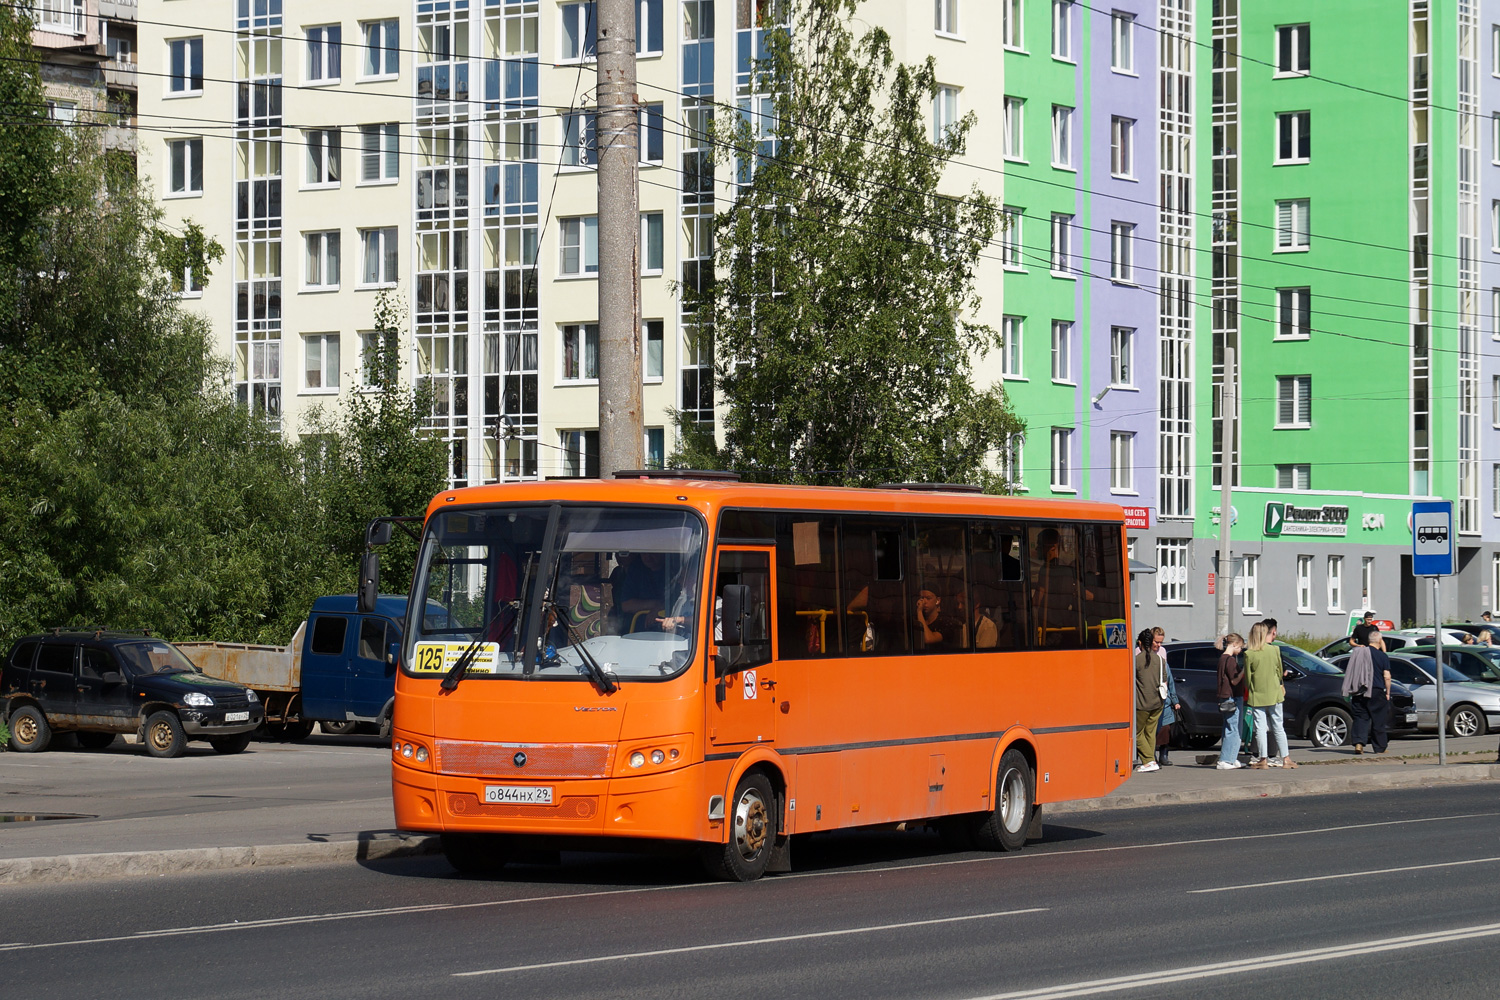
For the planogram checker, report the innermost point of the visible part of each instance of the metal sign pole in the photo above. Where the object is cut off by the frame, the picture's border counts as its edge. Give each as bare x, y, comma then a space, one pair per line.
1437, 652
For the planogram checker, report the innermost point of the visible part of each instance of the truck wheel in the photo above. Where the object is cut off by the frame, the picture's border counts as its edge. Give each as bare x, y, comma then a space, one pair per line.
298, 731
164, 735
29, 732
476, 853
95, 741
332, 728
230, 744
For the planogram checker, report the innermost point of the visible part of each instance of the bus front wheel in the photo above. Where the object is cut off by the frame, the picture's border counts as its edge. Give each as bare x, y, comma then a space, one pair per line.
1005, 828
752, 833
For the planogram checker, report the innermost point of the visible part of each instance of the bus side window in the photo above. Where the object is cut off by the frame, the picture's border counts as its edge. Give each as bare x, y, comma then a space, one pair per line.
806, 565
941, 620
997, 586
753, 570
1055, 606
876, 601
1103, 587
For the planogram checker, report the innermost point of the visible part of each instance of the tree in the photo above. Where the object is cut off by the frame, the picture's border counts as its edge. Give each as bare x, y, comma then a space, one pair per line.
843, 308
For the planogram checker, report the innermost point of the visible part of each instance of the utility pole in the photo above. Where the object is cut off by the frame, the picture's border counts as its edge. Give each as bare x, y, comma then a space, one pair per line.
620, 418
1227, 395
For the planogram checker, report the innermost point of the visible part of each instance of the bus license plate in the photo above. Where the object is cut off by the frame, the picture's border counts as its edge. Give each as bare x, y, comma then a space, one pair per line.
518, 795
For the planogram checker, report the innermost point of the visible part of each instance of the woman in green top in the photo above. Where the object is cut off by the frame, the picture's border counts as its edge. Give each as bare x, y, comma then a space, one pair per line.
1263, 670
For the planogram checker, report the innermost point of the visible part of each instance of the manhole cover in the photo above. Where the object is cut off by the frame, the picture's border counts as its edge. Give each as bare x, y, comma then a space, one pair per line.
41, 817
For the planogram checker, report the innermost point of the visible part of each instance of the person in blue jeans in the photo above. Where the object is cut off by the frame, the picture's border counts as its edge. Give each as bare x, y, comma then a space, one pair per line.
1231, 690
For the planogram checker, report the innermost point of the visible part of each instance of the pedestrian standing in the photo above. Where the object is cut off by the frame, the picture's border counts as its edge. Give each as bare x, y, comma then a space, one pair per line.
1265, 694
1150, 696
1367, 685
1170, 706
1231, 700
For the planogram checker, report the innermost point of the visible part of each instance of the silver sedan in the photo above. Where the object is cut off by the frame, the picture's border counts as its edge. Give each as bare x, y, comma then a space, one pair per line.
1471, 708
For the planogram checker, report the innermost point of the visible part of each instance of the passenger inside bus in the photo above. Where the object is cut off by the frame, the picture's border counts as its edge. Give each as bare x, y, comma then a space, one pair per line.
940, 629
639, 584
1054, 590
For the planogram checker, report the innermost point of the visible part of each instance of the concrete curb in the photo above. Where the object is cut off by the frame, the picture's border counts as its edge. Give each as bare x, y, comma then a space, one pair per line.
1417, 777
75, 867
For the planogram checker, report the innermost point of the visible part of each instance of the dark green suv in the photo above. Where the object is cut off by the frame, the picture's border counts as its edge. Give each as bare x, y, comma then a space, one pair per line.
101, 684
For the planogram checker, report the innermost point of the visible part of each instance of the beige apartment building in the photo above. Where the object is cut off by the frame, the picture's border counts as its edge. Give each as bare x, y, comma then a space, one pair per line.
442, 151
88, 64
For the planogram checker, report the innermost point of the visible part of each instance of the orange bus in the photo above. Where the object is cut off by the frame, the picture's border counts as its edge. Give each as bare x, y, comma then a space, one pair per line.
698, 660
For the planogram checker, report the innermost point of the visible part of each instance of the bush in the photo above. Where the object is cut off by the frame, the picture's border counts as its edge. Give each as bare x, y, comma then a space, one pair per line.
1306, 640
4, 737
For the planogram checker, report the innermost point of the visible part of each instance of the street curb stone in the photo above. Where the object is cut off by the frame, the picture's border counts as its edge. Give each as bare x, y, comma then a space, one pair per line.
75, 867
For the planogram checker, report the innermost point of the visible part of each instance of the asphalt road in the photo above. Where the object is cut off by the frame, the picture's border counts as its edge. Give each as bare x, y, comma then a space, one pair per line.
1380, 894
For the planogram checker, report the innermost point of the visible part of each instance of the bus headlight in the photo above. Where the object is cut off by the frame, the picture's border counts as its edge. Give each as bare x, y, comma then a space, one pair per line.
637, 759
657, 756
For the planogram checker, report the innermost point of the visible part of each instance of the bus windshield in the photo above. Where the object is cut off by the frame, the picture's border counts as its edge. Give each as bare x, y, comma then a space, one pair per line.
620, 582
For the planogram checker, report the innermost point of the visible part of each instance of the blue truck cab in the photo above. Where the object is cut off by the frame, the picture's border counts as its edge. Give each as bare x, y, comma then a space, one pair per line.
349, 659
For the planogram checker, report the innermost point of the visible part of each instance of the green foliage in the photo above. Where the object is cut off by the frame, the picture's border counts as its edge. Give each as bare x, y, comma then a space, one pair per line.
134, 492
1306, 640
4, 736
842, 313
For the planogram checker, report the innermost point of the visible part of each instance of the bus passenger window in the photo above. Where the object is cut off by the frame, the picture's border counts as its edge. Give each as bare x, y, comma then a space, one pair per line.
1055, 606
998, 588
1103, 586
806, 566
876, 599
940, 614
753, 570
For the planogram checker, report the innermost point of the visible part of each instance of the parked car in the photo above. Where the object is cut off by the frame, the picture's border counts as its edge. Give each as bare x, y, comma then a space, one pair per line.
101, 684
1472, 709
1399, 639
1315, 708
1478, 664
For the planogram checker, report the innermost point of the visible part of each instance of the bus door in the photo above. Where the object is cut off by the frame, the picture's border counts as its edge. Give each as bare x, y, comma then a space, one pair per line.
744, 692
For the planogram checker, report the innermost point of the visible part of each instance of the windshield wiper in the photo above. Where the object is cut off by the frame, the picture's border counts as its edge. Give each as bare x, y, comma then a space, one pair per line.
551, 609
471, 651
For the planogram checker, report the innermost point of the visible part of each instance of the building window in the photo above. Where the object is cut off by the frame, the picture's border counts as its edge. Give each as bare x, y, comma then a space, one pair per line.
1015, 148
579, 31
579, 146
380, 156
655, 447
187, 67
1010, 346
381, 256
1062, 239
651, 243
1293, 313
1172, 570
382, 48
580, 451
323, 152
1293, 143
1010, 460
65, 112
1121, 252
1250, 585
1121, 462
580, 245
1010, 238
1062, 351
322, 270
1294, 477
1366, 581
320, 352
1062, 136
1495, 401
1335, 584
1495, 490
1292, 224
1294, 401
652, 138
1495, 226
1291, 50
1304, 583
377, 348
1122, 42
653, 363
1122, 147
1011, 34
945, 17
944, 112
187, 166
1062, 458
1062, 29
580, 352
324, 53
1121, 355
648, 27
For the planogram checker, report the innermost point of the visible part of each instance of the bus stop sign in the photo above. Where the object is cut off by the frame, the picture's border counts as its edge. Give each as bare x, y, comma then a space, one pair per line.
1432, 538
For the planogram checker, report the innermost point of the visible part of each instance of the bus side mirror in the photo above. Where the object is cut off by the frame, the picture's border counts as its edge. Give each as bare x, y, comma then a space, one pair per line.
369, 581
736, 603
378, 533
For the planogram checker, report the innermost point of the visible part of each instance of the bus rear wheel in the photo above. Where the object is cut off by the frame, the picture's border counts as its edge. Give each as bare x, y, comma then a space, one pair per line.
752, 833
476, 853
1015, 788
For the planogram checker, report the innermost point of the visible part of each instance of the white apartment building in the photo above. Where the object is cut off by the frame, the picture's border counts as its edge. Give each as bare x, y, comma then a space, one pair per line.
442, 150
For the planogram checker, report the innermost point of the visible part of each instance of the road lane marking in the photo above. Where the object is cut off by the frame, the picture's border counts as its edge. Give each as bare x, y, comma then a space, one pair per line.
441, 907
751, 942
1325, 878
1263, 962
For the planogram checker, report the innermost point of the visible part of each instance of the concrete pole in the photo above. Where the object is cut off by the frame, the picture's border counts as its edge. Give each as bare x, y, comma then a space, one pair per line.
1226, 479
620, 417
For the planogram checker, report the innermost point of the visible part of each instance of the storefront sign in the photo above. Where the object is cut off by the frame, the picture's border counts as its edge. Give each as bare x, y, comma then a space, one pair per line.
1328, 521
1137, 517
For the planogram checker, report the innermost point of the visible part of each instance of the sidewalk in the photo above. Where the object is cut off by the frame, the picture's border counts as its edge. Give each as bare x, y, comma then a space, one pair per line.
119, 812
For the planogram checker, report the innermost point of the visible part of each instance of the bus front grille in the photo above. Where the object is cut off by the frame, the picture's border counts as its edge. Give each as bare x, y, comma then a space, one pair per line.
523, 760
